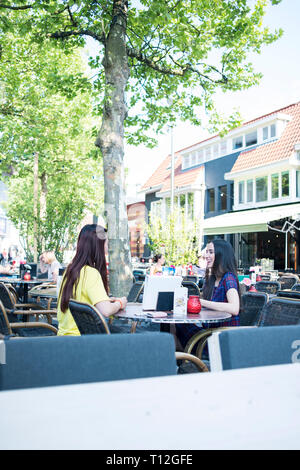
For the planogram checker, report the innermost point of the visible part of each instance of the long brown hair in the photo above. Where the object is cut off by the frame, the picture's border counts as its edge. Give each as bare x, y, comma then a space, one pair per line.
89, 252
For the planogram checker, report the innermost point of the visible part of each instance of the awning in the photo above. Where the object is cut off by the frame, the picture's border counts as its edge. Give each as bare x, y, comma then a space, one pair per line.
254, 220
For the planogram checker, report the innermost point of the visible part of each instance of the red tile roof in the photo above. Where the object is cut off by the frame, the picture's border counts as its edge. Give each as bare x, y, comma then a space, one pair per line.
162, 176
281, 149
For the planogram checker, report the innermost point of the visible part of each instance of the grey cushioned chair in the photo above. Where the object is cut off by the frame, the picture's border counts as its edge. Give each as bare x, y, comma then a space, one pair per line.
64, 360
253, 347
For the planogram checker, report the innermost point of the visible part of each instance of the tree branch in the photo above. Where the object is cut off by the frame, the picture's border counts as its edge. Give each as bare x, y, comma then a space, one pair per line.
180, 71
11, 7
80, 32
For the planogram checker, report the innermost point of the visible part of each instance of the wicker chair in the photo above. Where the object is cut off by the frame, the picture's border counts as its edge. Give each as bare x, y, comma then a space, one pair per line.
193, 289
287, 282
190, 278
289, 294
11, 326
9, 300
88, 319
135, 292
252, 304
270, 287
296, 286
280, 311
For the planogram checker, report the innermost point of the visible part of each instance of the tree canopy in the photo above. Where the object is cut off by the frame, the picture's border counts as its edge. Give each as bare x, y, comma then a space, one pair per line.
158, 61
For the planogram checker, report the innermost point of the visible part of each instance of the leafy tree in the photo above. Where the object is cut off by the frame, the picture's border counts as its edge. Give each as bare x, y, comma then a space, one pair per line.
176, 237
45, 123
149, 50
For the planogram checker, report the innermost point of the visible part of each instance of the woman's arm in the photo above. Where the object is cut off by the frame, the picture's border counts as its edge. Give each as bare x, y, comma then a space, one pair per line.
232, 306
107, 308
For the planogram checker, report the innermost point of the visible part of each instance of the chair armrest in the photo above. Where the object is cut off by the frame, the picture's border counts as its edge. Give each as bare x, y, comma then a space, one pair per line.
34, 312
189, 357
34, 325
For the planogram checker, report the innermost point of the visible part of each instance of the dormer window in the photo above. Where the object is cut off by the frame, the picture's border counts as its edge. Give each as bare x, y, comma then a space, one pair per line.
237, 143
251, 138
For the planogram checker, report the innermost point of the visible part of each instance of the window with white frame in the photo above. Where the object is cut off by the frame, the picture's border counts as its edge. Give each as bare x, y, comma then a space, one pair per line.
251, 139
241, 192
273, 130
261, 189
208, 153
216, 150
155, 209
249, 190
265, 133
237, 143
200, 158
223, 147
285, 184
298, 183
193, 159
275, 186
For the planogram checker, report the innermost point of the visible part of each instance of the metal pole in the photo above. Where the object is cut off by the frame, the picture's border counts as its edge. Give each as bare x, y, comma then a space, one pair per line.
286, 251
172, 170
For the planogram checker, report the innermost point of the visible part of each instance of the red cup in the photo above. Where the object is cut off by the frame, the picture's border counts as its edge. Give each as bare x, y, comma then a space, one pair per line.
194, 304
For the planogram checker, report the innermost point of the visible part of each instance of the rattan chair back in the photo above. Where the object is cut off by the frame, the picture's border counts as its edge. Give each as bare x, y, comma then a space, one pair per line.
280, 311
193, 289
190, 278
6, 297
252, 304
88, 319
5, 328
135, 292
296, 287
287, 282
270, 287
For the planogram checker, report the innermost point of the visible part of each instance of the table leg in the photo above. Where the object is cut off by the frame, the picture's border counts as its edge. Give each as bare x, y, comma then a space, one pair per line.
133, 326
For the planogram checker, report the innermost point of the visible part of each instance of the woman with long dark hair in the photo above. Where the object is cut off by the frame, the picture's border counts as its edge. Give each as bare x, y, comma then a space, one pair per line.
220, 286
85, 280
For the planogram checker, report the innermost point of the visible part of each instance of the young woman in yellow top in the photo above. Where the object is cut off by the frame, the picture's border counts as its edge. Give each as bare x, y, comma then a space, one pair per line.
85, 280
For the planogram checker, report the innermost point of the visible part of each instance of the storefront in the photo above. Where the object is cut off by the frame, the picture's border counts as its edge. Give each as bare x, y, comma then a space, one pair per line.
270, 232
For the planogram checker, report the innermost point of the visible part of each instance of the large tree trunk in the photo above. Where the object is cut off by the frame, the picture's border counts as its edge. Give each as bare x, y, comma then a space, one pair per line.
111, 142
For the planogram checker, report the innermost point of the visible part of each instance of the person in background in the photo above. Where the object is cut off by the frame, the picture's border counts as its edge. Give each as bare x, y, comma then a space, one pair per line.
49, 265
85, 280
6, 269
220, 289
200, 267
158, 262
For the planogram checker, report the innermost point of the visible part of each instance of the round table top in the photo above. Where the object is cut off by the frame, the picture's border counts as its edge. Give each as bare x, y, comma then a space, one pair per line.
134, 311
19, 280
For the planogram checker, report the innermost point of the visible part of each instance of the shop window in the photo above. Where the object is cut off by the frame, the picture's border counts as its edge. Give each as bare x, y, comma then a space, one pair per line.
251, 138
241, 192
261, 189
285, 184
211, 200
249, 190
275, 186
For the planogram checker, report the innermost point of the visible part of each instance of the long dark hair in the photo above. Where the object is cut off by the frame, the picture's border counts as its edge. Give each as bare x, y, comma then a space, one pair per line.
89, 252
224, 262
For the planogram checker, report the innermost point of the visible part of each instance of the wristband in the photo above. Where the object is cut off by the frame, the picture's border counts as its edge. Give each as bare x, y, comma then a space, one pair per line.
121, 305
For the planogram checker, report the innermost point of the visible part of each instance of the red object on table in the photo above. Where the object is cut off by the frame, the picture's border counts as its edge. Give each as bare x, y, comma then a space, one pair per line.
194, 304
252, 289
27, 277
258, 278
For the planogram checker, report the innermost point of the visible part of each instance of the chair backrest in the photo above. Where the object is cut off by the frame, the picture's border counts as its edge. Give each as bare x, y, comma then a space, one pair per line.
296, 287
265, 277
252, 304
271, 287
88, 319
192, 287
5, 328
64, 360
280, 311
6, 297
135, 291
253, 347
139, 275
287, 282
289, 294
190, 278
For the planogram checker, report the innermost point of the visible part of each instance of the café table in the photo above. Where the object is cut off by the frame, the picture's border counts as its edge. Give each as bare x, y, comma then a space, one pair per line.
252, 408
24, 283
135, 313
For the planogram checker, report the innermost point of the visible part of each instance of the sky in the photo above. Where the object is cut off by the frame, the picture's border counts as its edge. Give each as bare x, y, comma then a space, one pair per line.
280, 86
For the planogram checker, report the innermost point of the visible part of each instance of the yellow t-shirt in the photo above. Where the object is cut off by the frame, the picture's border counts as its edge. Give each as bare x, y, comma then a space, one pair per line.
90, 289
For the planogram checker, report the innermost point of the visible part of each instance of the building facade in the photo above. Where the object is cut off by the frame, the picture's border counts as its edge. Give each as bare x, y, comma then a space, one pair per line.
244, 187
